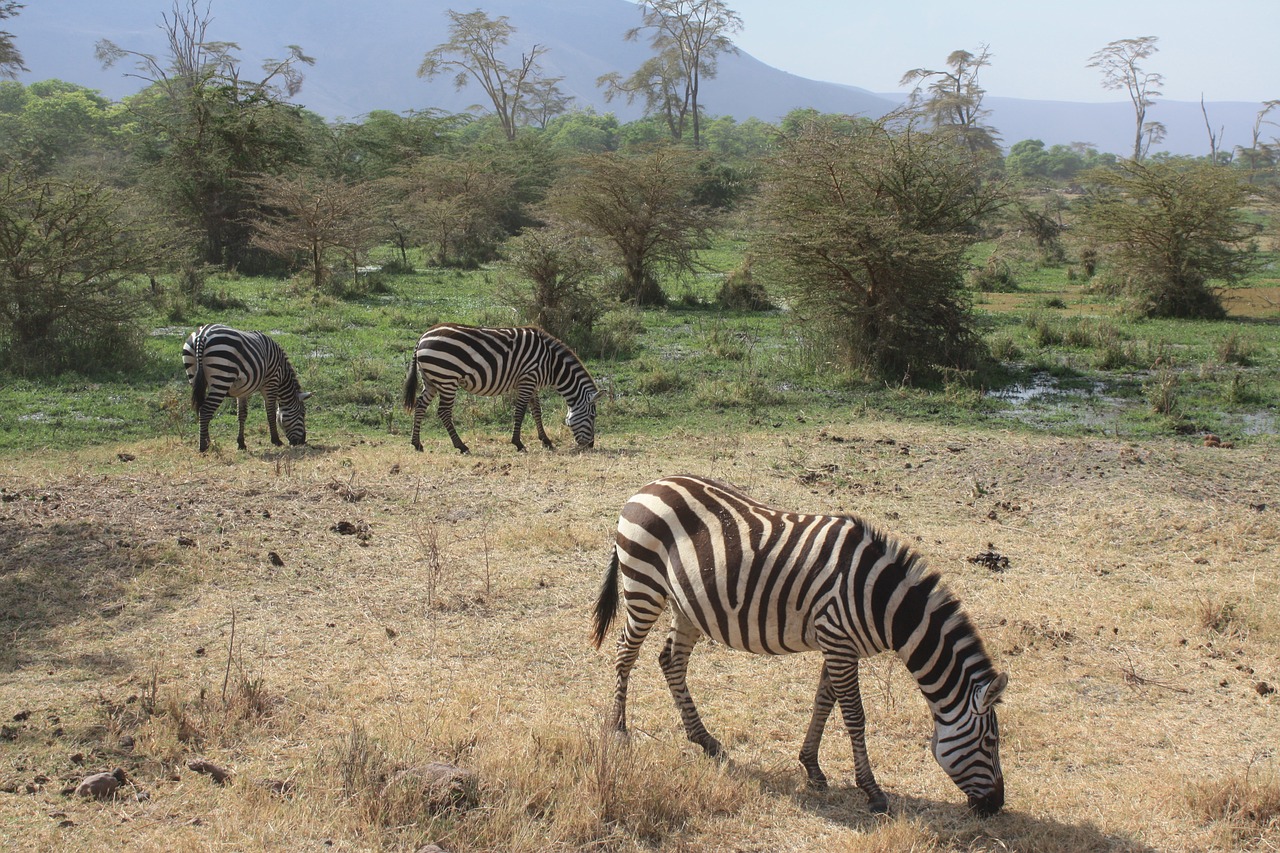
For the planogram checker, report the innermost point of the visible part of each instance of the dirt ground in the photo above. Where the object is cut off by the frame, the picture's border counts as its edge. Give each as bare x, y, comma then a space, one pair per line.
296, 617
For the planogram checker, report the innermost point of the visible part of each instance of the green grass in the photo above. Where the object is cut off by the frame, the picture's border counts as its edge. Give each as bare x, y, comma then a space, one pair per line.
694, 367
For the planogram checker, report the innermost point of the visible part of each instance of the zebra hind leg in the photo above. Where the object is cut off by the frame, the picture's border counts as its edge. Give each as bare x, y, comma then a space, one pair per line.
639, 622
823, 702
445, 412
242, 413
675, 665
420, 412
843, 672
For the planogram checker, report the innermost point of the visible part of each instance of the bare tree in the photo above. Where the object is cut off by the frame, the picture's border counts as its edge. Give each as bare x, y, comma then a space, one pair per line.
1214, 138
10, 58
1119, 64
471, 53
954, 100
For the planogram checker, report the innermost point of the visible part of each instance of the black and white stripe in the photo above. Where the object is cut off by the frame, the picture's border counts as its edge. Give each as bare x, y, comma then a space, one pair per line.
488, 362
220, 360
773, 582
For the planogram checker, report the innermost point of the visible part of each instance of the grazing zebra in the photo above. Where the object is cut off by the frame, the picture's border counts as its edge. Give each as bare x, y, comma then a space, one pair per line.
774, 582
450, 356
220, 360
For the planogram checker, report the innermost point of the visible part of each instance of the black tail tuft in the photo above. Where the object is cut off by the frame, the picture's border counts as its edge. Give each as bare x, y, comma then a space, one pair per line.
199, 384
411, 386
607, 603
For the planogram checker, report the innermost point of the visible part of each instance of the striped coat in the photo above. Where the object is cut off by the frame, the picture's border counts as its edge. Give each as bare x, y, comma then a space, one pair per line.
222, 361
773, 582
489, 362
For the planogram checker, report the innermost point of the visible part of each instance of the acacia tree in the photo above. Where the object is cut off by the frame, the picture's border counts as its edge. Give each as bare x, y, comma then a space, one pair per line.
205, 126
10, 57
453, 205
1119, 64
864, 226
308, 218
555, 267
471, 53
641, 208
68, 248
953, 103
688, 37
1168, 232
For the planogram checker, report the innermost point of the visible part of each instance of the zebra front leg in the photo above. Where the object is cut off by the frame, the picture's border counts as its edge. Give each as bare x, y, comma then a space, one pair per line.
675, 665
842, 670
272, 405
536, 408
823, 702
445, 412
522, 403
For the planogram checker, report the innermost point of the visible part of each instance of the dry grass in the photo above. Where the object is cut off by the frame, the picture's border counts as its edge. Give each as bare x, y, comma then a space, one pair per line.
319, 622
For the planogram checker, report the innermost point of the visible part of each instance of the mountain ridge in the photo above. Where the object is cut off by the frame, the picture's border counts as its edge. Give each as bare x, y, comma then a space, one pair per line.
367, 59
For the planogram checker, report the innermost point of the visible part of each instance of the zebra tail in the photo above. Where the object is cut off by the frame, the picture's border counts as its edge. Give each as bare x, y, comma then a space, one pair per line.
199, 384
411, 386
607, 603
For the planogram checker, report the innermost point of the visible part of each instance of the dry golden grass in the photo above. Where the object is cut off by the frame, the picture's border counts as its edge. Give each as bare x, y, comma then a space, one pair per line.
430, 607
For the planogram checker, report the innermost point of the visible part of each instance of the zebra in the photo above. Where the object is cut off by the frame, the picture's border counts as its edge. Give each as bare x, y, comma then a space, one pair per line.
773, 582
220, 360
450, 356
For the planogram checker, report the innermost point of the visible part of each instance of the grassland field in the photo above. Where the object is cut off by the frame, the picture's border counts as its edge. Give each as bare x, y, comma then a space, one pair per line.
325, 621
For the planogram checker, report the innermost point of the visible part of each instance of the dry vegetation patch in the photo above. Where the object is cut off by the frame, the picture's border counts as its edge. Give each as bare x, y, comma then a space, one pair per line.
326, 625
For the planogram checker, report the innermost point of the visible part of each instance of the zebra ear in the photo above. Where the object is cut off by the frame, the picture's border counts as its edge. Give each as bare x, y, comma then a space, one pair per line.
304, 395
988, 694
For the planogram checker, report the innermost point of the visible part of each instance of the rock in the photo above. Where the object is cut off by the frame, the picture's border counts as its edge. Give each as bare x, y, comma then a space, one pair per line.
100, 786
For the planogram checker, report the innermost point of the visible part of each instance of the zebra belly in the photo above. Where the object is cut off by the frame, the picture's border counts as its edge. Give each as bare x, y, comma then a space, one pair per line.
754, 625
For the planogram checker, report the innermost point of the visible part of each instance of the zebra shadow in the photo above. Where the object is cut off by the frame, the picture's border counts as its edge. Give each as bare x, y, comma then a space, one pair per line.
845, 805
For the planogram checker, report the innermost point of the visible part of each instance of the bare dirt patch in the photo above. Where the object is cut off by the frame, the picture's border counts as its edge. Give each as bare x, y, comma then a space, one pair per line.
320, 623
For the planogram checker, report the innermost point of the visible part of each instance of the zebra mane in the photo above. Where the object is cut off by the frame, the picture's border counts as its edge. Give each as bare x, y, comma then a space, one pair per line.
565, 352
909, 568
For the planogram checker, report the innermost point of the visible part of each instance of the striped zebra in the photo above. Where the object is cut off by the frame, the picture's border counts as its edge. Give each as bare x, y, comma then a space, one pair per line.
772, 582
450, 356
220, 360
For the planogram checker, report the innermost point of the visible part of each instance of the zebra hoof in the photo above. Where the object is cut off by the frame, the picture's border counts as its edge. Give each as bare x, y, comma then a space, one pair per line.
417, 445
712, 749
878, 803
817, 781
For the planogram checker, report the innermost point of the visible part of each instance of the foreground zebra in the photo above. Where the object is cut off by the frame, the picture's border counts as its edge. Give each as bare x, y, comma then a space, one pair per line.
488, 362
220, 360
773, 582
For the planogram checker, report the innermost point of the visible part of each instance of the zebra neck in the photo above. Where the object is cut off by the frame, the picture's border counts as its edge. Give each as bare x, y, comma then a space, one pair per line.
947, 659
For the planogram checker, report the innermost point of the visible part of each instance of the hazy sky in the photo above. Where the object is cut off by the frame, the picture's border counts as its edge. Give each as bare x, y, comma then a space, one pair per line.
1227, 52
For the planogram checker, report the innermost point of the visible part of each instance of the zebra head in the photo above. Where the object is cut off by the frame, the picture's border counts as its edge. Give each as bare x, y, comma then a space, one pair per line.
291, 414
582, 419
968, 747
